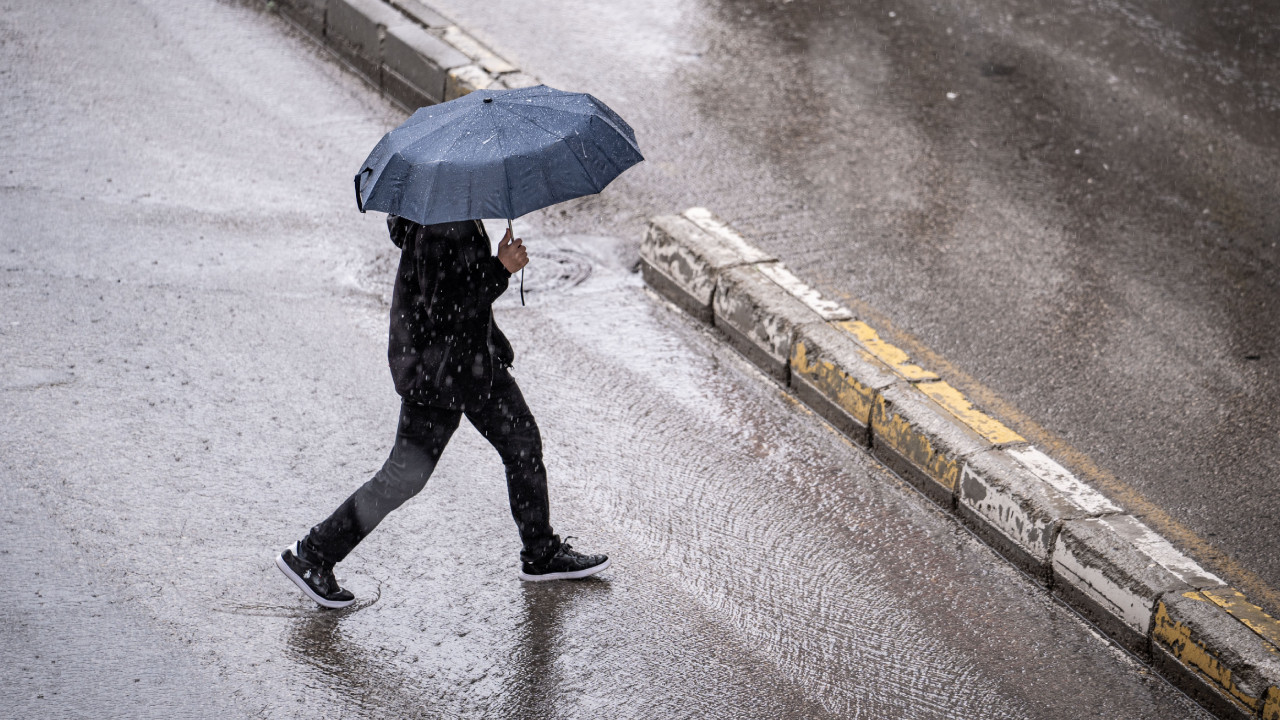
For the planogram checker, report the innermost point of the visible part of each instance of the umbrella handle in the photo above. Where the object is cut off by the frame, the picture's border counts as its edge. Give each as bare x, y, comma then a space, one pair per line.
359, 200
513, 234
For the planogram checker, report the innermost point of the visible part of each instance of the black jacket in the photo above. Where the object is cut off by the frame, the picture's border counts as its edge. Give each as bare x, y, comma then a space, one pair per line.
444, 345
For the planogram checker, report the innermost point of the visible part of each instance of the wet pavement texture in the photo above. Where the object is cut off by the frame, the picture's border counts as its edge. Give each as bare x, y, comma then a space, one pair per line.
1068, 209
192, 347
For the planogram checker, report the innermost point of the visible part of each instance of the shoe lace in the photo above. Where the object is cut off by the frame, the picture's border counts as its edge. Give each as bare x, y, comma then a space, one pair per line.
564, 543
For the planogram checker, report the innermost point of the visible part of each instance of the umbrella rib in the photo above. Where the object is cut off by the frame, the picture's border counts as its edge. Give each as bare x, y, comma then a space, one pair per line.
584, 167
556, 102
458, 128
419, 131
506, 172
541, 170
586, 115
598, 109
617, 170
562, 139
463, 129
531, 121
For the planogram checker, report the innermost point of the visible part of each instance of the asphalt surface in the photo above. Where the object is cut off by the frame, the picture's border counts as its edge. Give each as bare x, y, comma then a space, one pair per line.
192, 329
1069, 209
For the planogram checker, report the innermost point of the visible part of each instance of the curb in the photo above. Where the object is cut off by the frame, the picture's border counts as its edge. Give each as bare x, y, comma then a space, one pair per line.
1148, 597
413, 54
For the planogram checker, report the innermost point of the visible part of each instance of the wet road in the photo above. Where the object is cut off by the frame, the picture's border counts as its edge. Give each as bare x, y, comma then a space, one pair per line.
193, 371
1070, 210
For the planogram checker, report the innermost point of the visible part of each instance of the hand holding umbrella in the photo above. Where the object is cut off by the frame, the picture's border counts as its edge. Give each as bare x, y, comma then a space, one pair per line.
512, 254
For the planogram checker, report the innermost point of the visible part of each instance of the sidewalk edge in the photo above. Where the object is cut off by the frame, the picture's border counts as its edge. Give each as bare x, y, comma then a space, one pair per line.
410, 52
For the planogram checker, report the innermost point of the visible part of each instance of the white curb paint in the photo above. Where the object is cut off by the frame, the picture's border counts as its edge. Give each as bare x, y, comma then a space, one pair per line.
762, 314
686, 255
1044, 467
704, 219
1152, 545
829, 310
1129, 607
1002, 511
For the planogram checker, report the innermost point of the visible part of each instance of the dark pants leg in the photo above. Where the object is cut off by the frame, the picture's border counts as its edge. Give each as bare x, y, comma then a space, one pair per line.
420, 439
505, 421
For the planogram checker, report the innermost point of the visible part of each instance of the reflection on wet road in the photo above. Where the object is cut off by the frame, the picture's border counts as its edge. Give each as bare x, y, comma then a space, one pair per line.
203, 375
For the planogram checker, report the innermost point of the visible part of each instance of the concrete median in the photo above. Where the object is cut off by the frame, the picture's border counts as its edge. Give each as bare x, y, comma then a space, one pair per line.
1016, 511
306, 14
681, 260
416, 65
838, 378
1228, 666
405, 48
355, 28
759, 318
1113, 569
920, 441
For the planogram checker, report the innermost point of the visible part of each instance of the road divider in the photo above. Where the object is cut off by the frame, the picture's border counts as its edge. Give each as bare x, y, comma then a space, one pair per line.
1114, 569
408, 50
838, 378
759, 317
1150, 598
1016, 499
1228, 666
683, 261
921, 442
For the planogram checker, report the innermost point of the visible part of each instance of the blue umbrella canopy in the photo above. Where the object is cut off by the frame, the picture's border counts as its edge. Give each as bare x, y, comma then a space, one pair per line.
496, 154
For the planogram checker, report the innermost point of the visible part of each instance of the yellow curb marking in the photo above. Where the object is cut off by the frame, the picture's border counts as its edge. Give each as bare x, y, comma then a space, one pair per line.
1271, 707
1177, 638
957, 404
943, 393
1118, 490
834, 383
1235, 603
890, 355
914, 447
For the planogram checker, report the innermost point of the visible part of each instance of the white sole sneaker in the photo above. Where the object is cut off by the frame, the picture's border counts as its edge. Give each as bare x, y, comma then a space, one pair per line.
302, 585
573, 575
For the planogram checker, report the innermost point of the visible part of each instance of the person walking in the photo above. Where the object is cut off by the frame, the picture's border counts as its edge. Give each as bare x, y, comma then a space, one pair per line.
448, 359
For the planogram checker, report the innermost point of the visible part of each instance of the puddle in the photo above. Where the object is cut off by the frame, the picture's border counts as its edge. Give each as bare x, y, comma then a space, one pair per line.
303, 608
554, 270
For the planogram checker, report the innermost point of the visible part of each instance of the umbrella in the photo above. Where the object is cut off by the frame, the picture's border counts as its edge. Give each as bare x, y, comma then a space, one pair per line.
496, 154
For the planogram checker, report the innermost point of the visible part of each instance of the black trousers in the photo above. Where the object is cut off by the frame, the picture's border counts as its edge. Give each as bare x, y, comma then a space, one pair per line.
505, 421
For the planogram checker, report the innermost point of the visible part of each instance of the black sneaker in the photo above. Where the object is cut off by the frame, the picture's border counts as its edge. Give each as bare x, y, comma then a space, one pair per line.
565, 564
316, 581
